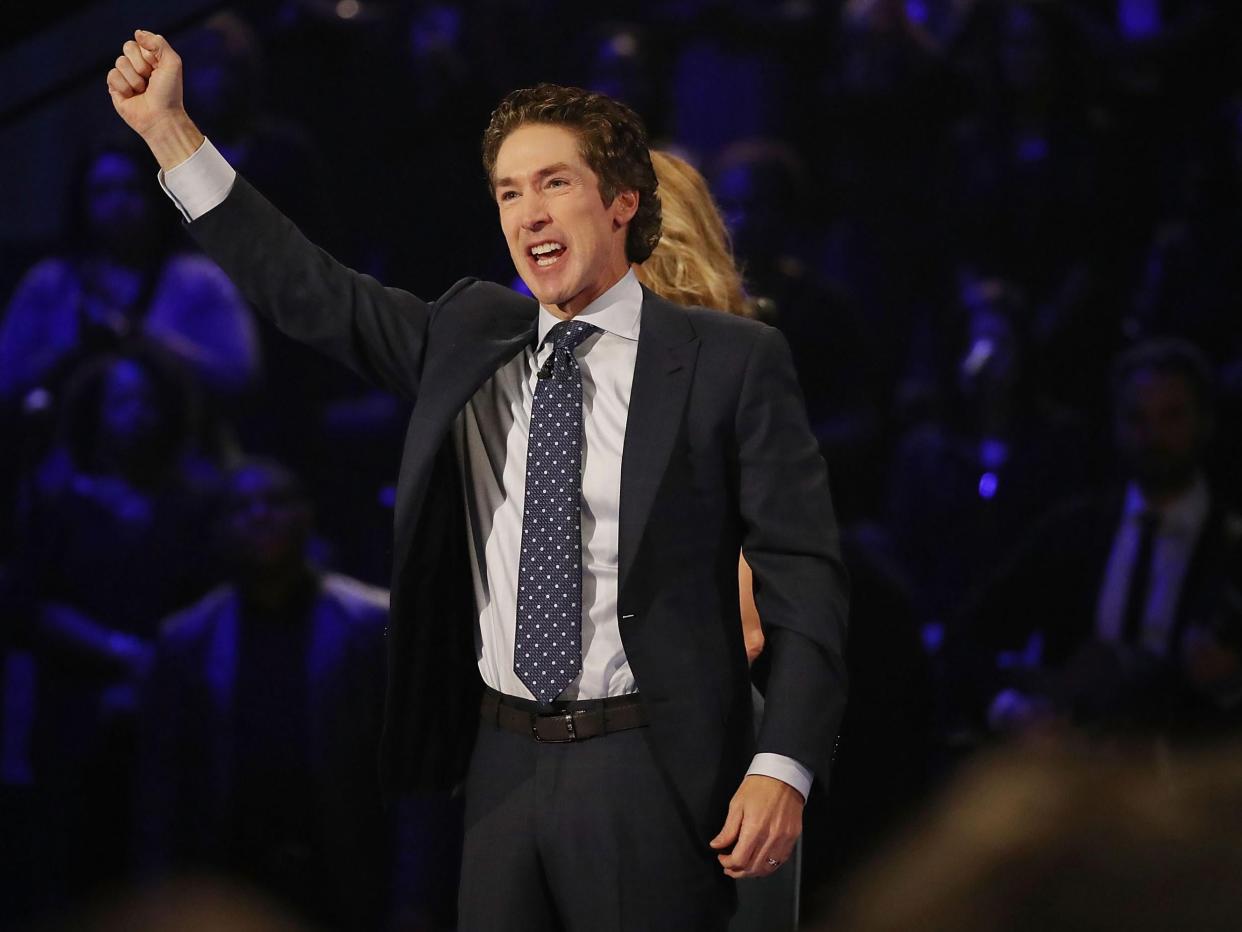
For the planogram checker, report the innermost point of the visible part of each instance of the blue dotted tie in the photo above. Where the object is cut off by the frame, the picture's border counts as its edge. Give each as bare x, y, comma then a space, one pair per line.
547, 650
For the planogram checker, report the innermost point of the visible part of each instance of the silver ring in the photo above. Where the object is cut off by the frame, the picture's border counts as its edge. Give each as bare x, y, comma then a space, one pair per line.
772, 862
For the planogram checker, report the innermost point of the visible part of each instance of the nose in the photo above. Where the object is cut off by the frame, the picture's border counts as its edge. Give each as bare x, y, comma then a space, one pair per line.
535, 213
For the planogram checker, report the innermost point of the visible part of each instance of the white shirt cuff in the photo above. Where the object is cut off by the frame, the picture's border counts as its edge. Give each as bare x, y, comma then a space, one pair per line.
785, 769
199, 183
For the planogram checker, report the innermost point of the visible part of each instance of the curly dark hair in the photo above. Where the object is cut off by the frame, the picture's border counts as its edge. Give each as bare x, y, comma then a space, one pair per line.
612, 139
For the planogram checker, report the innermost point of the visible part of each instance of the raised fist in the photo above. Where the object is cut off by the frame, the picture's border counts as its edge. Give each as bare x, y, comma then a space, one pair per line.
145, 84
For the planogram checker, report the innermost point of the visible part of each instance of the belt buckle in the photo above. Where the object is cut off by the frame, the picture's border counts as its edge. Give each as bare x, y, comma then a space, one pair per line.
568, 718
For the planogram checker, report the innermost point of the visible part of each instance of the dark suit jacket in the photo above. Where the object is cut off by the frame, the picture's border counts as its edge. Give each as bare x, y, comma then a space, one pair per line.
718, 455
191, 768
1051, 585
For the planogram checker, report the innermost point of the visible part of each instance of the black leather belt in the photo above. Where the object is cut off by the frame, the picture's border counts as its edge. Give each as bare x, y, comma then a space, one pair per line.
563, 722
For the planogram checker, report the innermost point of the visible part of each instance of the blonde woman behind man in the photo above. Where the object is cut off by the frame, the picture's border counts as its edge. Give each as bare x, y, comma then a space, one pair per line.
693, 265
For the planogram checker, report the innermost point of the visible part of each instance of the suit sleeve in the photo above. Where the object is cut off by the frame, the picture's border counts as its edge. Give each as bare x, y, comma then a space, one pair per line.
791, 543
378, 332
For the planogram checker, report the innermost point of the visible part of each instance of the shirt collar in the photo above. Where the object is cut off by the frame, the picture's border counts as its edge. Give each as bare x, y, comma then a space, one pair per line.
616, 311
1187, 512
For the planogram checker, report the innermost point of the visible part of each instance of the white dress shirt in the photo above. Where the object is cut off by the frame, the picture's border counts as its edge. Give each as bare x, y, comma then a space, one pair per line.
490, 436
1181, 523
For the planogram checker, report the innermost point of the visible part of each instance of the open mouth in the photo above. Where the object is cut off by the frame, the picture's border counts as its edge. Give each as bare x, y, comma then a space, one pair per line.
547, 254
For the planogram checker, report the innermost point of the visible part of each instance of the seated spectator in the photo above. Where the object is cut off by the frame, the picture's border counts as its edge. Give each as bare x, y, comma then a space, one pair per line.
226, 90
264, 709
989, 460
1115, 612
111, 542
120, 279
763, 188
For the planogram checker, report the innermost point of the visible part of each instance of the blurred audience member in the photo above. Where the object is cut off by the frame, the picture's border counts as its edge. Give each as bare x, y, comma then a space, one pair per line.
619, 64
111, 541
1040, 840
1116, 610
264, 709
981, 468
225, 86
726, 74
120, 279
1020, 166
1191, 277
198, 904
762, 188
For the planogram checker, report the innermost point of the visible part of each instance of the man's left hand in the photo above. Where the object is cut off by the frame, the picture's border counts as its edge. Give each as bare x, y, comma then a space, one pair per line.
764, 822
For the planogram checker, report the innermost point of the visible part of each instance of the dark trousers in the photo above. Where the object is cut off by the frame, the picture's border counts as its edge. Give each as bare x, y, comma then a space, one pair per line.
582, 837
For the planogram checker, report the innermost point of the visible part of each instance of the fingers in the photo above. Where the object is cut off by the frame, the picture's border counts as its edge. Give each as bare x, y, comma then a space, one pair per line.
741, 859
770, 814
118, 87
134, 54
765, 859
125, 69
733, 824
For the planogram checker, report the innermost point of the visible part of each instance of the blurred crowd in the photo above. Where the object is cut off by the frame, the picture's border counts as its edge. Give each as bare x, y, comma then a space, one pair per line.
1003, 238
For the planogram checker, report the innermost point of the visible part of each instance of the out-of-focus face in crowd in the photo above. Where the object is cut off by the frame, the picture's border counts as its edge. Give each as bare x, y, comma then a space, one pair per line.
267, 519
222, 72
118, 202
755, 201
130, 417
1161, 429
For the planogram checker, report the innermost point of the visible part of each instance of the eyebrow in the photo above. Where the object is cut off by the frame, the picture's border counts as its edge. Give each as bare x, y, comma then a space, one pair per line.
507, 182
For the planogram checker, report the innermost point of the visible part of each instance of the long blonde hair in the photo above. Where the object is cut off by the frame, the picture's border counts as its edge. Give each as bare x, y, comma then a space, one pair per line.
693, 263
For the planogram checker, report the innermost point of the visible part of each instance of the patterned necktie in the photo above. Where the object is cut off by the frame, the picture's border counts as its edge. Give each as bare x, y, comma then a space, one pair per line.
547, 649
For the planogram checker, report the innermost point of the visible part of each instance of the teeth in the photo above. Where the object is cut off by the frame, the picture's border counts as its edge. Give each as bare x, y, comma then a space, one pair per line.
543, 248
549, 260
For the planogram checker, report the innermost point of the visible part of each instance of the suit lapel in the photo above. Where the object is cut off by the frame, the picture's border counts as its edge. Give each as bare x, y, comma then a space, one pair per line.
667, 349
461, 372
449, 381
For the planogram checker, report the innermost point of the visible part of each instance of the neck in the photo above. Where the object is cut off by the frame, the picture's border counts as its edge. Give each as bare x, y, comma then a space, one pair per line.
1165, 495
271, 589
585, 298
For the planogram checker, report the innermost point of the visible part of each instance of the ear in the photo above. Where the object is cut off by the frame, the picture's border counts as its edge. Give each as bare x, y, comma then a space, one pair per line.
624, 206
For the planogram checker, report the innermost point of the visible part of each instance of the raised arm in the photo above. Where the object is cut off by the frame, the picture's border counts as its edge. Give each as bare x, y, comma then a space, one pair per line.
378, 332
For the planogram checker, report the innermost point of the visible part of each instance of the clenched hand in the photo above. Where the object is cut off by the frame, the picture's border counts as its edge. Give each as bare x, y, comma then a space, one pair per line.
145, 87
763, 824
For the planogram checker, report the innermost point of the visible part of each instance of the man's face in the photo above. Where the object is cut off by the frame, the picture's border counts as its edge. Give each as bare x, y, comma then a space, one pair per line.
129, 413
752, 199
566, 244
116, 203
267, 522
1160, 430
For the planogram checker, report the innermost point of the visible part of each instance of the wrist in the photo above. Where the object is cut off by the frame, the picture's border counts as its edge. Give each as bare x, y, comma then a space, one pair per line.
173, 139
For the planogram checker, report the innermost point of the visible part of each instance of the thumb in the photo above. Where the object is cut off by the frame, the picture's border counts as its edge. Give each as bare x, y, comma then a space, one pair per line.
154, 47
728, 834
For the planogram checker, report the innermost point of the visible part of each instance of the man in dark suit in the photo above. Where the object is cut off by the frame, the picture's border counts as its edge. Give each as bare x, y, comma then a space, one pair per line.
613, 452
1116, 610
263, 700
